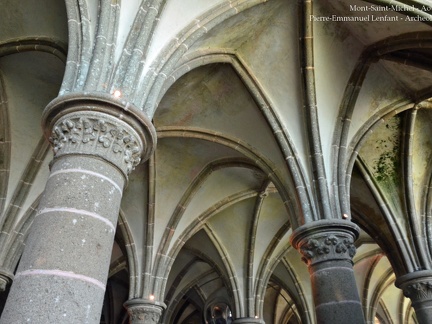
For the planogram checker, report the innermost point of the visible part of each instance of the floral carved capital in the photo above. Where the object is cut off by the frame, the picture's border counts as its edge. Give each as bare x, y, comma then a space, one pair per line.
97, 134
418, 291
416, 285
143, 313
97, 124
327, 247
326, 240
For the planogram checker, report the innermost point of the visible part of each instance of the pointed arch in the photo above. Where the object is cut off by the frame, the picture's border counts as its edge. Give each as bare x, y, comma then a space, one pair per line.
346, 149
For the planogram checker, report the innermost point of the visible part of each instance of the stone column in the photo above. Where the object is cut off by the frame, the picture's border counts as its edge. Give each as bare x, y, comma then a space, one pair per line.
417, 286
327, 247
62, 274
143, 311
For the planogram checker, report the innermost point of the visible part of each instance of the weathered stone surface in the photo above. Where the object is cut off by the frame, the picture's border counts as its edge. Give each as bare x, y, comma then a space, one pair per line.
53, 299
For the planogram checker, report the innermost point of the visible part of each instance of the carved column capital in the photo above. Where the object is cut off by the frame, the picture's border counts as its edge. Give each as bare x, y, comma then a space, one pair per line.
416, 286
325, 240
101, 126
143, 311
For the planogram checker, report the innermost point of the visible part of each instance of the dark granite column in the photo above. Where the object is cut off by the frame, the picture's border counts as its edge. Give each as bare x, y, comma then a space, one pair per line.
63, 271
328, 247
143, 311
417, 286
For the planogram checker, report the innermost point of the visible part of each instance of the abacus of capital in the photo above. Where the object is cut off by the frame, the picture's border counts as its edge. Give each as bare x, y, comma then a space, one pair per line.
327, 247
97, 141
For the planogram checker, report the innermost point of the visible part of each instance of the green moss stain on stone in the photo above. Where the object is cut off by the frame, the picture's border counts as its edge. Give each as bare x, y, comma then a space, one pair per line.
385, 167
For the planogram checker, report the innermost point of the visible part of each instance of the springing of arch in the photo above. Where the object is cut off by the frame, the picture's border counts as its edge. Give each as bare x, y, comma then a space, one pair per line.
167, 61
412, 259
89, 46
79, 44
91, 63
403, 248
133, 58
325, 207
346, 153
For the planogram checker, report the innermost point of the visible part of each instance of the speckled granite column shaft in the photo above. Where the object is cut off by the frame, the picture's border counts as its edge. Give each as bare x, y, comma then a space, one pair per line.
327, 248
63, 271
417, 286
142, 311
64, 267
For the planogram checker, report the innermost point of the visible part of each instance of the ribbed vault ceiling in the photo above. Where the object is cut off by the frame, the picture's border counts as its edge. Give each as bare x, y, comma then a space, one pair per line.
216, 202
